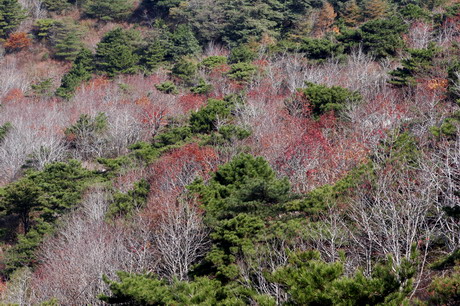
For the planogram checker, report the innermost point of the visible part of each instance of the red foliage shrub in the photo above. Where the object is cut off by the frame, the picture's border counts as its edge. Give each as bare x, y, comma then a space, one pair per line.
307, 152
261, 62
191, 102
173, 171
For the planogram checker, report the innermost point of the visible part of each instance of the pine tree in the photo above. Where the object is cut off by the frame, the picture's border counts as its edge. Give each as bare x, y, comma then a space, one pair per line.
236, 187
380, 37
140, 289
185, 70
116, 53
453, 77
419, 63
311, 281
295, 11
162, 7
324, 99
352, 13
238, 200
109, 10
242, 72
11, 15
62, 36
22, 198
56, 5
42, 88
203, 121
183, 42
154, 54
44, 28
374, 9
320, 48
4, 129
81, 71
87, 134
241, 54
67, 40
326, 18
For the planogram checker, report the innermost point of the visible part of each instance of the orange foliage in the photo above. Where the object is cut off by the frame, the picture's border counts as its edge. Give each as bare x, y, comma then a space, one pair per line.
17, 41
99, 82
435, 88
351, 13
267, 40
14, 94
143, 101
438, 84
375, 9
325, 19
261, 63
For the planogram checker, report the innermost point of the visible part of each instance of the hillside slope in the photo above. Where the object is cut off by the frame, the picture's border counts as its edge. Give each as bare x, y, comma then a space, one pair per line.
256, 152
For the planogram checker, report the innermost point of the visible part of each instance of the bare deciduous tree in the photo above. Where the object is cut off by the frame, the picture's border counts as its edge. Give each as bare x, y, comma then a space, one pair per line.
84, 249
392, 213
181, 238
445, 174
18, 290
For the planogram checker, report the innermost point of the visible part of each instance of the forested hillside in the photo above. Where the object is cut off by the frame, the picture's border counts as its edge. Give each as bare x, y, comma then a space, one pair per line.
229, 152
